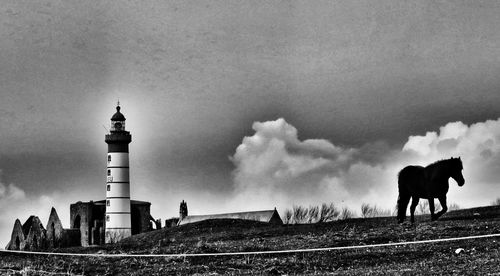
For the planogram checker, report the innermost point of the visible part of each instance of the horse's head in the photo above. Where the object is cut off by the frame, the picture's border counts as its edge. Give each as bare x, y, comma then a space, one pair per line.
456, 170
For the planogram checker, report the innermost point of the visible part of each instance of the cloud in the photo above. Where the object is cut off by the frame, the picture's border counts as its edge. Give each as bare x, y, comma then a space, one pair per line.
274, 168
9, 193
479, 147
16, 204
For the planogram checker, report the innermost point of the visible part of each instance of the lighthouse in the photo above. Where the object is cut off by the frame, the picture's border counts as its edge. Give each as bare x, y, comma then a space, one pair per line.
117, 217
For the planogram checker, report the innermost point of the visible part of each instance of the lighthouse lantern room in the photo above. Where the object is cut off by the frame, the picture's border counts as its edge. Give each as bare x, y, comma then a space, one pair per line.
117, 218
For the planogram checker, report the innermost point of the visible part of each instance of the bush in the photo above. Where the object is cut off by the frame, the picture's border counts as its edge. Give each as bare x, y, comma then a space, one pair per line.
287, 217
423, 207
346, 213
299, 214
453, 206
313, 214
368, 211
496, 202
328, 212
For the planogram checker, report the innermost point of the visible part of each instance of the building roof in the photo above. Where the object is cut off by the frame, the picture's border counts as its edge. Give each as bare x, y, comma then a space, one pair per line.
103, 202
118, 116
269, 216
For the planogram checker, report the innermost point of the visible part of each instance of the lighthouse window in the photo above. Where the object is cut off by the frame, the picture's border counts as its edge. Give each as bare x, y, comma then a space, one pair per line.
109, 172
109, 158
108, 188
107, 218
108, 203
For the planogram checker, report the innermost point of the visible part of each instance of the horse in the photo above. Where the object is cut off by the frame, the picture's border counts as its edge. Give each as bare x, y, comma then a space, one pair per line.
431, 182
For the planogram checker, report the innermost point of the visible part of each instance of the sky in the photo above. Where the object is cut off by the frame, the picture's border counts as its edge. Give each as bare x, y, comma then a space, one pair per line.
245, 105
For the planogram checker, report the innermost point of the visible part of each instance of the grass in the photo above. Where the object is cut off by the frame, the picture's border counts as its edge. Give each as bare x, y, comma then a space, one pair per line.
479, 256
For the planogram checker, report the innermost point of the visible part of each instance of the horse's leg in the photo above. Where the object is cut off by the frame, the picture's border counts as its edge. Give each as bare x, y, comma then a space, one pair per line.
444, 208
431, 208
414, 203
402, 204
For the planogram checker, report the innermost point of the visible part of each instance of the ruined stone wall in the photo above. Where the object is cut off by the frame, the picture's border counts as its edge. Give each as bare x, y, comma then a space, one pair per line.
80, 215
55, 230
91, 215
71, 237
141, 217
171, 222
17, 237
36, 238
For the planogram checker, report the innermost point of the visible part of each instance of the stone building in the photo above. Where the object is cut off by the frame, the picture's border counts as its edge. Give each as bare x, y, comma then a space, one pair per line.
17, 237
267, 216
90, 216
29, 236
57, 236
171, 222
33, 236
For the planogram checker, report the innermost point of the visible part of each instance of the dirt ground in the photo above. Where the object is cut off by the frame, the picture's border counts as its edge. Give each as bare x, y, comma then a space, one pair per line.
465, 257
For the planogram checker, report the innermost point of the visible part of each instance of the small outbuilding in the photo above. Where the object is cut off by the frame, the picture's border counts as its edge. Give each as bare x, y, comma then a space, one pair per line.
268, 216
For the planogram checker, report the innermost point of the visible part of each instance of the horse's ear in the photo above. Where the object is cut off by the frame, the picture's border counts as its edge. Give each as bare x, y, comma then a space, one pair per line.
459, 158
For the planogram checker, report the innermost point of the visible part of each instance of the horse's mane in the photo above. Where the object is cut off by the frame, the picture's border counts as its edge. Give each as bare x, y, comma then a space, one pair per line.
439, 162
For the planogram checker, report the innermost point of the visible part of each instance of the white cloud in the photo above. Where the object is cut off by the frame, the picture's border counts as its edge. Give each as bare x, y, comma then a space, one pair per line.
479, 147
275, 168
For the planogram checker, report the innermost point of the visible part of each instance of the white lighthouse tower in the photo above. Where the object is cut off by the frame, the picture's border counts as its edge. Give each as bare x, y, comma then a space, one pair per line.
117, 220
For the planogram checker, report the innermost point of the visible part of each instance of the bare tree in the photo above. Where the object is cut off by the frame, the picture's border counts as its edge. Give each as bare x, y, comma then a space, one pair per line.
312, 215
346, 213
328, 212
366, 210
287, 218
423, 207
299, 214
453, 206
496, 202
383, 213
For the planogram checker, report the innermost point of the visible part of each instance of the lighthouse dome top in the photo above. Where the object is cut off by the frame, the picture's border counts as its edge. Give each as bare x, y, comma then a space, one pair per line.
118, 116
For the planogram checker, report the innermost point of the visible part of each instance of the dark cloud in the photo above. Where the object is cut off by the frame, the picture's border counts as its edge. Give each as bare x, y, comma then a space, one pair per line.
356, 78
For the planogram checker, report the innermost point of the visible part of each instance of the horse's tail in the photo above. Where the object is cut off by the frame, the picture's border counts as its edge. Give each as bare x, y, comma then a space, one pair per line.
401, 210
403, 197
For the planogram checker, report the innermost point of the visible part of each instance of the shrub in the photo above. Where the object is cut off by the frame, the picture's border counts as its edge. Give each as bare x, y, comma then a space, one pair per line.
496, 202
287, 217
453, 206
368, 211
299, 214
423, 207
346, 213
312, 215
328, 212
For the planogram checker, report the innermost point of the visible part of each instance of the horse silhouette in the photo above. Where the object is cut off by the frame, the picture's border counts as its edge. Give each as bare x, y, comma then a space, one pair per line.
431, 182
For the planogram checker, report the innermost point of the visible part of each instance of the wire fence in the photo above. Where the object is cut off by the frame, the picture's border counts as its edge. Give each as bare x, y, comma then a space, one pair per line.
270, 252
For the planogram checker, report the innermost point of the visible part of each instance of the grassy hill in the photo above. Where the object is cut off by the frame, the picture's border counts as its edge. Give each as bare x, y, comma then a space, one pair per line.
479, 256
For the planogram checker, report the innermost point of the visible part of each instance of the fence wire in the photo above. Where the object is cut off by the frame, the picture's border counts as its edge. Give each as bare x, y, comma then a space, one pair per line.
270, 252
